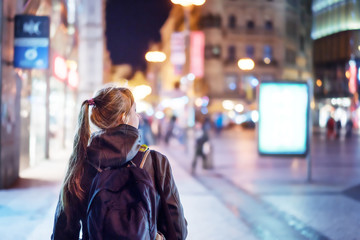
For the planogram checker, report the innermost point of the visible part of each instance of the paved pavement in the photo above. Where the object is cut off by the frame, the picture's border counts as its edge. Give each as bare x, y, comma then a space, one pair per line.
271, 194
27, 209
244, 197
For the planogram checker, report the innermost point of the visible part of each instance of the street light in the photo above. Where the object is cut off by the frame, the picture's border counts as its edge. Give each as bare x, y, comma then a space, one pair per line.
155, 56
246, 64
187, 3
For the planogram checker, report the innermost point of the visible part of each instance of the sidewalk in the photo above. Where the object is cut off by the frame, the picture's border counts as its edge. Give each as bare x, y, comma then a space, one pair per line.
27, 209
208, 218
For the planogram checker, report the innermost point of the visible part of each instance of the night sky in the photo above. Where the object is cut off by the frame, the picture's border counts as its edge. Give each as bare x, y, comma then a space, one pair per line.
131, 25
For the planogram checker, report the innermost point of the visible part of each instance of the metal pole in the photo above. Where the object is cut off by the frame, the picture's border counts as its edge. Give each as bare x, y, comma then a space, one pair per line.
308, 156
1, 83
64, 119
47, 104
47, 113
186, 70
309, 167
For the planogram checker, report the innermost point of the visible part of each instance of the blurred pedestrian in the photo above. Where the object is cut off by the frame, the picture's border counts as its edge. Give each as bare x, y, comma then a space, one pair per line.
338, 128
201, 138
348, 128
147, 136
110, 154
170, 129
219, 123
330, 127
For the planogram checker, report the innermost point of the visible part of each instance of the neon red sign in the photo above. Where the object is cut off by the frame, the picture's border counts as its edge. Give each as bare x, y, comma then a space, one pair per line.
197, 44
60, 68
353, 77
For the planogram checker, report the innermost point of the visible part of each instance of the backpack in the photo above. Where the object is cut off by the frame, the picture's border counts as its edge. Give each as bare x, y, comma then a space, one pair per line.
122, 204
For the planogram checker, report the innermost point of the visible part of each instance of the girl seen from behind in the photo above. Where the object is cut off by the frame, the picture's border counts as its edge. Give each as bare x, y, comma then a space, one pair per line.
115, 145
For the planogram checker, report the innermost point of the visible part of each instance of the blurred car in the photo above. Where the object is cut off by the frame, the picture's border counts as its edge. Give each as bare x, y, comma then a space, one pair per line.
248, 124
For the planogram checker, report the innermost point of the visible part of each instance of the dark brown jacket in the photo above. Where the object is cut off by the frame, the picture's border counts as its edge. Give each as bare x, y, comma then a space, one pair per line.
112, 148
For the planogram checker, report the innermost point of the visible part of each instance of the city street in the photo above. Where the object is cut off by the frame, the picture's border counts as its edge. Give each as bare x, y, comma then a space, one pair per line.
191, 77
244, 197
271, 194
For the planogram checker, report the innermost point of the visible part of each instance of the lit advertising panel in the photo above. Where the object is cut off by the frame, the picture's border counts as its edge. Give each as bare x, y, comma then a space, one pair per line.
283, 118
31, 42
178, 57
197, 46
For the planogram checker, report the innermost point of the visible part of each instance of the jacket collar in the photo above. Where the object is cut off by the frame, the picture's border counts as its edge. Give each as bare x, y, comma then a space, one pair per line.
113, 147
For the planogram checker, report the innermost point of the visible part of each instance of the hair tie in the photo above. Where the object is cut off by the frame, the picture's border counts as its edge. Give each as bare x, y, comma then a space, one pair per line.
91, 102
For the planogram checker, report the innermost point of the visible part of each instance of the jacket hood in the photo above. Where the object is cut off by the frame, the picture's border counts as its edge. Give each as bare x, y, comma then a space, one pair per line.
113, 147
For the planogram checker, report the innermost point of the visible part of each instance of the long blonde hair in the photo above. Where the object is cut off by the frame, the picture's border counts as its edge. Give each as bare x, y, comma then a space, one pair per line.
111, 107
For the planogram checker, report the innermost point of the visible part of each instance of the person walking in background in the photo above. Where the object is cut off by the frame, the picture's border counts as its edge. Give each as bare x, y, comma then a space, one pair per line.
147, 136
330, 127
201, 137
349, 128
338, 128
112, 151
170, 129
219, 123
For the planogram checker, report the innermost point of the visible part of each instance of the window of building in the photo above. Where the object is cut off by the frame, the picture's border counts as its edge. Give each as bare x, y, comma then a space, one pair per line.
216, 51
208, 53
231, 53
250, 24
268, 25
231, 81
267, 54
212, 51
292, 3
210, 20
302, 43
291, 28
217, 21
232, 21
290, 56
250, 51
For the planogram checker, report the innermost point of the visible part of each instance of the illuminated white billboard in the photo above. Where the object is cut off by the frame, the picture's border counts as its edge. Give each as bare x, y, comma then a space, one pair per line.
283, 118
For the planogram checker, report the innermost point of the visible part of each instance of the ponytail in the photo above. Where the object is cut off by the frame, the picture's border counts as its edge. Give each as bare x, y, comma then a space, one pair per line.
75, 170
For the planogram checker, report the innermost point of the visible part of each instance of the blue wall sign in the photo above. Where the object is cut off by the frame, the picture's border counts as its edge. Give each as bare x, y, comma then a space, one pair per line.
283, 118
31, 44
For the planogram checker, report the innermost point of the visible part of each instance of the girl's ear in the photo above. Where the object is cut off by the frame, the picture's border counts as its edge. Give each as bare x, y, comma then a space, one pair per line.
120, 119
123, 119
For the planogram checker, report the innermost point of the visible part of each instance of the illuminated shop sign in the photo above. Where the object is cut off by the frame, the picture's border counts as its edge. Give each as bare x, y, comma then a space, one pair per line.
197, 45
178, 57
283, 118
325, 11
31, 43
352, 77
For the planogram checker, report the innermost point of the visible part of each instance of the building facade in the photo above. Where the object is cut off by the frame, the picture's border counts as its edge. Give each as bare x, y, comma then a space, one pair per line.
39, 107
336, 34
10, 85
275, 34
